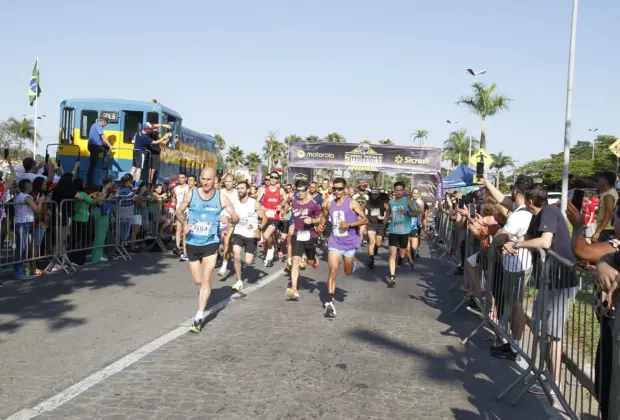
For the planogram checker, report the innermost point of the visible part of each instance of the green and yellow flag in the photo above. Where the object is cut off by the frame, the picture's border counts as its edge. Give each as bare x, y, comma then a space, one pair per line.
34, 90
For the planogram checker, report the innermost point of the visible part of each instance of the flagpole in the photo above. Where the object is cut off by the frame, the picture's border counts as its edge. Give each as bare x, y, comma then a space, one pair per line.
36, 109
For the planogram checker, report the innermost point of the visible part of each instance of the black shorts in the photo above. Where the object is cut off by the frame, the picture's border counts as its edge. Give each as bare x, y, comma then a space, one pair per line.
155, 162
248, 244
304, 247
378, 228
415, 233
275, 223
139, 159
398, 241
198, 252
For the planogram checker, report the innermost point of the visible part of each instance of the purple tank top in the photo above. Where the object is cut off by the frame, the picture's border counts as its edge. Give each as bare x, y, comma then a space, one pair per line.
343, 239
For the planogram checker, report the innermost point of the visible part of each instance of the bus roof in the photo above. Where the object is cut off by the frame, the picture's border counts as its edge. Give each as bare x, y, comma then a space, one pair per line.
113, 104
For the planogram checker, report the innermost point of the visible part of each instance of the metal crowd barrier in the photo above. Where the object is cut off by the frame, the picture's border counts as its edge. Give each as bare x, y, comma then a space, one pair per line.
549, 313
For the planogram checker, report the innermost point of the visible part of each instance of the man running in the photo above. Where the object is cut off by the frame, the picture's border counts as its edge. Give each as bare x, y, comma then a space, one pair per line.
377, 210
417, 221
274, 203
400, 211
205, 206
346, 216
179, 194
247, 231
307, 213
225, 228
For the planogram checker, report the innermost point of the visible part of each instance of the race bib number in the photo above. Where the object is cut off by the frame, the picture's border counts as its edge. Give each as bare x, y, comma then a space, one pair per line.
338, 216
399, 229
201, 228
303, 235
270, 213
375, 212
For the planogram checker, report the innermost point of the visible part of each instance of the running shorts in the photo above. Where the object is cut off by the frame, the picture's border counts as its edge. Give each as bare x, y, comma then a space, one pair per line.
248, 244
139, 159
197, 253
275, 223
379, 228
398, 241
304, 247
415, 233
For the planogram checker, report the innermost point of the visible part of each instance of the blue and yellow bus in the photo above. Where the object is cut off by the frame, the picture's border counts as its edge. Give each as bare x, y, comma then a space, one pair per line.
192, 152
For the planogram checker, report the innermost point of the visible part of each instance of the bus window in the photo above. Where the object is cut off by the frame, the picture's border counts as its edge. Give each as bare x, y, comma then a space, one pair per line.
152, 117
67, 126
87, 119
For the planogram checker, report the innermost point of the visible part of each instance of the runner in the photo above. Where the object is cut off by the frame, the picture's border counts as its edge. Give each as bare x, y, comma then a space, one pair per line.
191, 184
304, 240
417, 222
377, 209
205, 206
400, 210
179, 193
346, 216
225, 228
247, 231
274, 202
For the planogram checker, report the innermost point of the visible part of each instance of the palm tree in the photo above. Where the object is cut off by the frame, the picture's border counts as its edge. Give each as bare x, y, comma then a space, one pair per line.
456, 147
420, 135
253, 160
273, 150
23, 131
291, 138
335, 138
484, 103
313, 138
220, 143
501, 161
386, 142
234, 157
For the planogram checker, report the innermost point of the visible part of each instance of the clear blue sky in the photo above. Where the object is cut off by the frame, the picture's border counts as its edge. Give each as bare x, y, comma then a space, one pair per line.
366, 69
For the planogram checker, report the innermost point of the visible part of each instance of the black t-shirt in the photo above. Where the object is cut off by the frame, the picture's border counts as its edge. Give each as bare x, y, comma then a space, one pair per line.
375, 208
550, 219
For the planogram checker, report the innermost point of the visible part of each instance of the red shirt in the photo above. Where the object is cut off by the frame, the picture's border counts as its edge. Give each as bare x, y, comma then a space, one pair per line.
271, 201
589, 211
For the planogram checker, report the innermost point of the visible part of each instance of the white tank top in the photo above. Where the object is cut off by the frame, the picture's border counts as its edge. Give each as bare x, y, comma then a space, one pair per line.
180, 191
234, 199
248, 218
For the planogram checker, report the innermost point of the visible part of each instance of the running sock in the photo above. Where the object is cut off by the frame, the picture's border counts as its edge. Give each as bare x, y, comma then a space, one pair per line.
224, 265
269, 255
199, 316
290, 261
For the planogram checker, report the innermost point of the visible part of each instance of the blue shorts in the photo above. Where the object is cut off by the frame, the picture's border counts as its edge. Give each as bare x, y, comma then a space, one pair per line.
346, 254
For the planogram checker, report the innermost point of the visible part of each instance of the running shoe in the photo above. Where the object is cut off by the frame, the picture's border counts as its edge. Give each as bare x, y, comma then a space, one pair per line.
316, 263
371, 264
238, 286
268, 263
292, 294
330, 310
196, 326
411, 267
184, 257
392, 282
280, 255
302, 265
222, 271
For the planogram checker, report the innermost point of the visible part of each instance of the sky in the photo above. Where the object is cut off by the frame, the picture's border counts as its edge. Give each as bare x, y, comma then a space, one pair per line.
366, 69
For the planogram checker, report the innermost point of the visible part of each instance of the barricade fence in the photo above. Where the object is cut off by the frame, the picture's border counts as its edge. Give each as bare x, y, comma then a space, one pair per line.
541, 310
38, 235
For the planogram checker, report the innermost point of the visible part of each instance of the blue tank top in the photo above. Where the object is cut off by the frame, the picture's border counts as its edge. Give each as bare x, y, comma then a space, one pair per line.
400, 224
203, 219
414, 220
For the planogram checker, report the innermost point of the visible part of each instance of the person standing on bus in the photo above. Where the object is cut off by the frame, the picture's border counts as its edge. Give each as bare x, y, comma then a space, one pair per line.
97, 143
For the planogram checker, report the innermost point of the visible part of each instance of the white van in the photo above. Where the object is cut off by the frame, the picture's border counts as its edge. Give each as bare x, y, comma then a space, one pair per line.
554, 197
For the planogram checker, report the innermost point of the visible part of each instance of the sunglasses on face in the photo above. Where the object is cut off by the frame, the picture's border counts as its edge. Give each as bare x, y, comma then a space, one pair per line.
339, 188
301, 190
274, 177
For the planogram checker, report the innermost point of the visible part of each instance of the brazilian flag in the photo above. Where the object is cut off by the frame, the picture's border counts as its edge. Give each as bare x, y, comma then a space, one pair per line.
34, 90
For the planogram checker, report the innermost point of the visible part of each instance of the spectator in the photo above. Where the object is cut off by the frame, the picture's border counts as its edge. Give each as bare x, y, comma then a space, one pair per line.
589, 210
101, 215
97, 143
548, 230
25, 208
42, 225
141, 145
609, 197
80, 232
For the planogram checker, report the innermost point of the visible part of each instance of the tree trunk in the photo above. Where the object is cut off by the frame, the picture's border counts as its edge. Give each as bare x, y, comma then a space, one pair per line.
497, 179
483, 134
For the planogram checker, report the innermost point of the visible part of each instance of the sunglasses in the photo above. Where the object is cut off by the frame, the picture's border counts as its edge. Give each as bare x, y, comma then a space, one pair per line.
301, 190
274, 177
339, 188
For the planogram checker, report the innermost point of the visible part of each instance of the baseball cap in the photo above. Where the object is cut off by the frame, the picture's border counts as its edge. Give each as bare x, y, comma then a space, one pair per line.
147, 126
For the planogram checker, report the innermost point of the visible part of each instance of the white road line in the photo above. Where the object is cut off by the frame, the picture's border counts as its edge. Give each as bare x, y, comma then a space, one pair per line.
97, 377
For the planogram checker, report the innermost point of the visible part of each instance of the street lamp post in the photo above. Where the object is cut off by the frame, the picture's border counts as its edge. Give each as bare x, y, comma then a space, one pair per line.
569, 105
474, 74
593, 131
34, 137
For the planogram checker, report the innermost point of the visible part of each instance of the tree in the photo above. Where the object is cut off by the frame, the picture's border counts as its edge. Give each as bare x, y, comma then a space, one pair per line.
273, 150
420, 135
335, 138
291, 138
456, 147
501, 161
220, 143
386, 142
235, 157
252, 160
313, 138
484, 103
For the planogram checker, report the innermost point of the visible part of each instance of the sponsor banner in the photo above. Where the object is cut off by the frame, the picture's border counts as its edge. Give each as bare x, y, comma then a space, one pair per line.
427, 184
259, 175
439, 187
295, 174
364, 157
